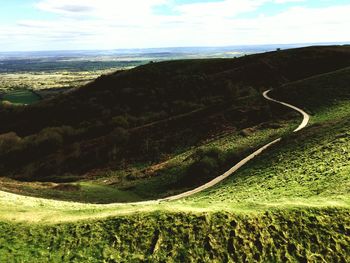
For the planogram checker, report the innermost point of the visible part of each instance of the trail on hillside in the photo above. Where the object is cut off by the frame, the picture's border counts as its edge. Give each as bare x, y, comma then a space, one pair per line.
220, 178
228, 173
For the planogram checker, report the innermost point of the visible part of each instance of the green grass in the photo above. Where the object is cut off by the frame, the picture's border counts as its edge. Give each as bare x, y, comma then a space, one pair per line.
21, 96
291, 204
91, 192
297, 235
85, 192
116, 186
284, 206
316, 92
303, 170
310, 167
175, 170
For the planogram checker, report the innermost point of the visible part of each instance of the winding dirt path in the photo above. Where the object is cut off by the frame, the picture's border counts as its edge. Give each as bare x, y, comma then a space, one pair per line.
306, 117
220, 178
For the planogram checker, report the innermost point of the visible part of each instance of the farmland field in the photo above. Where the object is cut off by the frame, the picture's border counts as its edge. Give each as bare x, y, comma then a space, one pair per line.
21, 96
45, 84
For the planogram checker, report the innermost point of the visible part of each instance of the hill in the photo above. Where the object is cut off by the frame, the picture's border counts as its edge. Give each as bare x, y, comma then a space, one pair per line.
290, 204
147, 114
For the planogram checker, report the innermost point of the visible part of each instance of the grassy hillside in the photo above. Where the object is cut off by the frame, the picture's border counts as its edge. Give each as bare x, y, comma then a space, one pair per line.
182, 172
149, 114
318, 91
290, 204
301, 235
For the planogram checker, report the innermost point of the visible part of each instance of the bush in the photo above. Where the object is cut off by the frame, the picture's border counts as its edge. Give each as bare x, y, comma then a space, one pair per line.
207, 164
118, 137
120, 121
64, 131
8, 141
46, 141
181, 106
150, 150
214, 153
231, 90
210, 163
204, 167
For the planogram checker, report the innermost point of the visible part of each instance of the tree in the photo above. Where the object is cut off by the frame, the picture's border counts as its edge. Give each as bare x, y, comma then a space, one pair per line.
231, 90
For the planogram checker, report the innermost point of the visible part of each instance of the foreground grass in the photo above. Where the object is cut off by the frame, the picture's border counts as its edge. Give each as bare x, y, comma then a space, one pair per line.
302, 235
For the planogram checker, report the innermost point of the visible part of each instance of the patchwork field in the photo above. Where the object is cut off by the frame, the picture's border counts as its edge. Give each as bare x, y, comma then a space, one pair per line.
49, 80
17, 87
21, 97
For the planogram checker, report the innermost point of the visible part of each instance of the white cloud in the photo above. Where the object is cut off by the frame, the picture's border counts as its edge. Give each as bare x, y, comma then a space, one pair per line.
288, 1
226, 8
101, 8
108, 24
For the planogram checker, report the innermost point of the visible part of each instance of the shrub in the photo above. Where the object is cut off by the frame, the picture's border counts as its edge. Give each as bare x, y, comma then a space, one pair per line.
8, 141
64, 131
213, 152
150, 150
181, 106
231, 90
119, 137
120, 121
204, 167
207, 163
44, 142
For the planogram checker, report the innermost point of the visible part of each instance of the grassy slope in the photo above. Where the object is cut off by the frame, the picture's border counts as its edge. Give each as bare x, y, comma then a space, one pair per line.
302, 235
292, 203
114, 187
110, 118
307, 168
318, 91
285, 181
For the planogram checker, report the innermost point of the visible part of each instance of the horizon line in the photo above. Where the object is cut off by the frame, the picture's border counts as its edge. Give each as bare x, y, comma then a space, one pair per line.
181, 47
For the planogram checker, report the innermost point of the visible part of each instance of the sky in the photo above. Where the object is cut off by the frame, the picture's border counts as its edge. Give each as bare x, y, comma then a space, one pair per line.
27, 25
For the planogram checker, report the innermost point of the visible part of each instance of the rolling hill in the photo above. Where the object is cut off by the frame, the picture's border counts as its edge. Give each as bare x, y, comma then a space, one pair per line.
291, 203
148, 113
